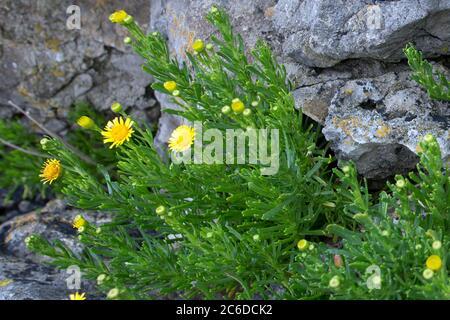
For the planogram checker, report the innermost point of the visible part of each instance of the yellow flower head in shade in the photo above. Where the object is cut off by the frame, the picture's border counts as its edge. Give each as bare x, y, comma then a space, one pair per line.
78, 222
182, 138
198, 45
434, 262
118, 131
170, 85
51, 171
118, 16
86, 122
77, 296
237, 106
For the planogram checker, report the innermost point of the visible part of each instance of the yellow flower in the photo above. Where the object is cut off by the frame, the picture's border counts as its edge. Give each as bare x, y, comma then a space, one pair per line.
77, 296
118, 131
78, 222
86, 122
434, 262
118, 16
198, 45
237, 106
302, 245
51, 171
182, 138
170, 85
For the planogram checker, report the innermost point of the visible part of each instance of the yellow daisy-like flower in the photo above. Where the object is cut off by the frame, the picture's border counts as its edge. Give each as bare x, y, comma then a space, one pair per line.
50, 171
118, 131
182, 138
198, 45
434, 262
170, 85
77, 296
78, 222
118, 16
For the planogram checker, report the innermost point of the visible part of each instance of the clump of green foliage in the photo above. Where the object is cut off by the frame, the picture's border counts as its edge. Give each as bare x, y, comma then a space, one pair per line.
229, 232
19, 168
21, 160
434, 81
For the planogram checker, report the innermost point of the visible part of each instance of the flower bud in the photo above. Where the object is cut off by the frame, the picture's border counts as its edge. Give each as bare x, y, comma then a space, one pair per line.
334, 282
116, 107
198, 45
247, 112
161, 210
302, 244
101, 278
113, 293
400, 183
86, 122
127, 40
226, 110
428, 274
436, 245
237, 106
170, 86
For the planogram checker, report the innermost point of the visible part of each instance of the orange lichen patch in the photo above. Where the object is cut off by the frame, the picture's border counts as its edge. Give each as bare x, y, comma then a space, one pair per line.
269, 12
348, 92
382, 131
419, 149
53, 44
38, 28
347, 124
178, 29
18, 222
23, 91
56, 72
5, 282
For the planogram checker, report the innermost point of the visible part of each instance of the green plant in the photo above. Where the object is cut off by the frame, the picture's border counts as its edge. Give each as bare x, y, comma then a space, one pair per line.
387, 257
18, 167
225, 230
434, 81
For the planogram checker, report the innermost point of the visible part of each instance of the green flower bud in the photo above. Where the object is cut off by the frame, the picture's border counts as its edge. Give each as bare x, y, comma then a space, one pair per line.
226, 110
161, 210
116, 107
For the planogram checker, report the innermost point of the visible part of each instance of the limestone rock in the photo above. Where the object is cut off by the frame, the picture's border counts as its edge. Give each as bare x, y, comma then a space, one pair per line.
24, 275
50, 67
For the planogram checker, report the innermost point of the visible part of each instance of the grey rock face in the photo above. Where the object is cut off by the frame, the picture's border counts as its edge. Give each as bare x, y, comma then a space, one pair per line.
49, 67
331, 47
323, 33
24, 275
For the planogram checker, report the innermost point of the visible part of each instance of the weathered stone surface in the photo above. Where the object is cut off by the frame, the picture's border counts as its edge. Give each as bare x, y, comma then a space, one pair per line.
49, 67
321, 33
378, 123
25, 280
25, 275
327, 46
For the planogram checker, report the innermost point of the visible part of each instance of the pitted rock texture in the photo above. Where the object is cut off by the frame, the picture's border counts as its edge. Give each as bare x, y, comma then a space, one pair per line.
322, 33
25, 275
46, 67
327, 47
